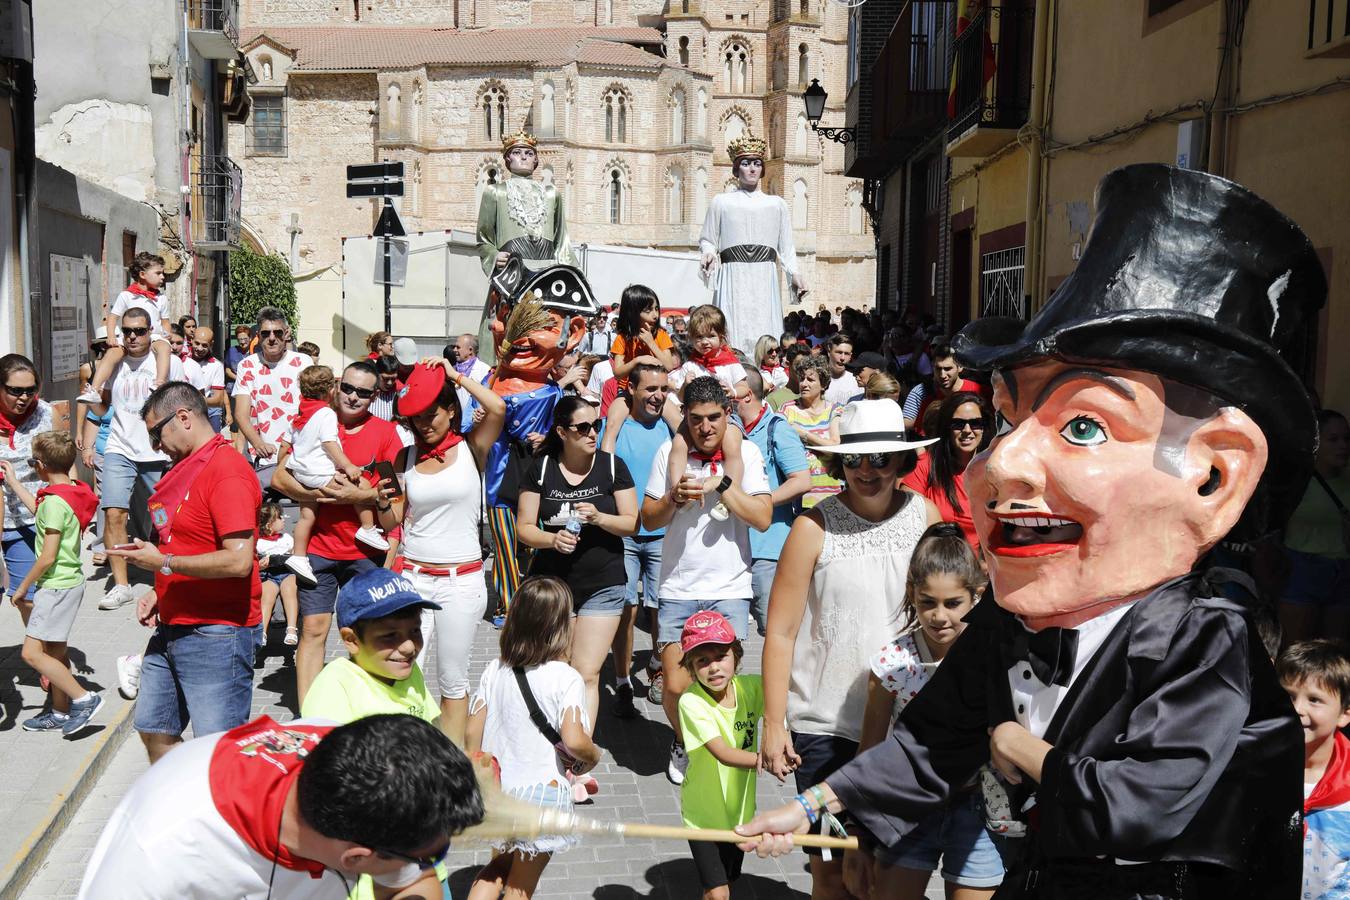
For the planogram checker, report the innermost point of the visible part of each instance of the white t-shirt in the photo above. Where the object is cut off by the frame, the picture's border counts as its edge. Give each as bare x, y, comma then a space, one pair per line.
307, 457
273, 392
704, 559
525, 755
131, 384
167, 841
278, 545
730, 375
157, 309
842, 389
601, 372
205, 377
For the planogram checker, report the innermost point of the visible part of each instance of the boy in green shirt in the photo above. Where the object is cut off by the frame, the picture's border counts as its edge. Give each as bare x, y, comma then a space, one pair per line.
719, 717
62, 510
379, 617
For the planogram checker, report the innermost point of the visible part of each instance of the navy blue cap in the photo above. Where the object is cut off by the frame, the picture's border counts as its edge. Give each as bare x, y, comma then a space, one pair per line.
377, 593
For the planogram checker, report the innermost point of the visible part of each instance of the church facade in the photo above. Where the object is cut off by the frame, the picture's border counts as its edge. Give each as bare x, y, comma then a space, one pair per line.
632, 101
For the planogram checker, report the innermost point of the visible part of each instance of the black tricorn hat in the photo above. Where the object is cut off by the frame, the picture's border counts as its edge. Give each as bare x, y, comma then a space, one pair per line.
562, 288
1191, 277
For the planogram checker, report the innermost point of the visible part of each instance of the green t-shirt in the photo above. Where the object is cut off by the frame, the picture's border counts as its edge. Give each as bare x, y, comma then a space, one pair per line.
1315, 527
714, 795
55, 514
345, 692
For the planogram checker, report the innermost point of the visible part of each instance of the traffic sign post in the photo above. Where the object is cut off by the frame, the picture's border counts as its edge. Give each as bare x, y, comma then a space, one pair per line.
384, 180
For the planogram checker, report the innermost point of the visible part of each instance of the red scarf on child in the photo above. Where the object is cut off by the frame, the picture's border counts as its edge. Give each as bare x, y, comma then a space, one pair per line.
8, 426
252, 770
719, 356
137, 288
439, 451
174, 485
81, 499
308, 408
1333, 788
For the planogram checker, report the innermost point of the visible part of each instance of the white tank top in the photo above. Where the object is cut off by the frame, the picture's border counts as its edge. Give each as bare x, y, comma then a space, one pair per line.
441, 511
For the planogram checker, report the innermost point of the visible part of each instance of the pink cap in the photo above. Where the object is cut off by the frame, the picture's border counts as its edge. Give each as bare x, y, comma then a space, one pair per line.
705, 627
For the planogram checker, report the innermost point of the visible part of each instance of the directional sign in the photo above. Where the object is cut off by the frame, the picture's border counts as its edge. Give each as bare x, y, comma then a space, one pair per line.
375, 170
374, 189
389, 224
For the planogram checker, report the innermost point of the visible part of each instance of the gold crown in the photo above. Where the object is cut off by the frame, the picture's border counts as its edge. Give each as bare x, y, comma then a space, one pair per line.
519, 139
747, 145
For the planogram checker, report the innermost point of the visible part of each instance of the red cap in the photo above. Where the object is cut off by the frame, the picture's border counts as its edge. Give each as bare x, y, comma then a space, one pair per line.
421, 390
705, 627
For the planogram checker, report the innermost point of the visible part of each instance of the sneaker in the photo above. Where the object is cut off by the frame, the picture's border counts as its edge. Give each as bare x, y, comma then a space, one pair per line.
48, 721
292, 636
116, 598
623, 702
129, 675
679, 762
82, 713
372, 538
90, 395
654, 690
300, 566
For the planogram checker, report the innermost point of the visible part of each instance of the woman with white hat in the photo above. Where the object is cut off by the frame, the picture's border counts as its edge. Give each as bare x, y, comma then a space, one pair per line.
840, 583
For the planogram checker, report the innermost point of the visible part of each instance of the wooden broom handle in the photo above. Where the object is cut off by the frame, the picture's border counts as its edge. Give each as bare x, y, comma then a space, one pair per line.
731, 837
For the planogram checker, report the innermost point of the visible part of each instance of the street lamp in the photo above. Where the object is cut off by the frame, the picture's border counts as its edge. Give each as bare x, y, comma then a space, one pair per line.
814, 97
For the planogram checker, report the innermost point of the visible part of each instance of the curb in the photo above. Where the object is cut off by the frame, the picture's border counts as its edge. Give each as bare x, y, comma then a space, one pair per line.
19, 869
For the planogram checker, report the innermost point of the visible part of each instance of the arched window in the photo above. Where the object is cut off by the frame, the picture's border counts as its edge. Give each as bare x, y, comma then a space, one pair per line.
493, 106
616, 117
546, 108
414, 131
853, 201
732, 128
677, 116
684, 6
675, 195
801, 145
546, 175
800, 201
684, 50
392, 103
701, 123
736, 68
806, 7
803, 66
615, 197
700, 194
487, 174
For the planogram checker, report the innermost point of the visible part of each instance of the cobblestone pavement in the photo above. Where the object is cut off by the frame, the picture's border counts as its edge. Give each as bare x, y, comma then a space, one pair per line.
37, 767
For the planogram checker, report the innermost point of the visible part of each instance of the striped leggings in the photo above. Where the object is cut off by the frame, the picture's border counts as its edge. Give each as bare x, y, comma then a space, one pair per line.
508, 558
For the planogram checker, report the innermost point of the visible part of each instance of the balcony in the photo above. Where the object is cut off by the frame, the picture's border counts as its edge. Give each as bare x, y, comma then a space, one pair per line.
991, 59
213, 27
217, 191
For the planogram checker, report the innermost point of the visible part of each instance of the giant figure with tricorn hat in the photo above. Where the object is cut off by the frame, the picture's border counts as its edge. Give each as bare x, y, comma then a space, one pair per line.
1109, 677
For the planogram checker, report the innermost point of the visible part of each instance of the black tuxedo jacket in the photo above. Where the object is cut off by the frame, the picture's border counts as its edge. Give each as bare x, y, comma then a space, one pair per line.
1175, 743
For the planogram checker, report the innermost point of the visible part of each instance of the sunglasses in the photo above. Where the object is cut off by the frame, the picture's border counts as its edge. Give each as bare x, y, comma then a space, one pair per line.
363, 393
157, 430
422, 862
876, 460
584, 428
135, 332
33, 463
21, 391
265, 333
963, 424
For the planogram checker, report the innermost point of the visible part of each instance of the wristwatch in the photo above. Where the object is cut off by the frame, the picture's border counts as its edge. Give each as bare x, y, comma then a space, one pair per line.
168, 562
725, 483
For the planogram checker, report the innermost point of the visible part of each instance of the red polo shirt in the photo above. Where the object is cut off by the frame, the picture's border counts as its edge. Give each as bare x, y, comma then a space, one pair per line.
917, 481
223, 500
335, 525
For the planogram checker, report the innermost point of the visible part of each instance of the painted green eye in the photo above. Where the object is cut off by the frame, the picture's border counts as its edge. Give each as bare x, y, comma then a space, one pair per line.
1083, 431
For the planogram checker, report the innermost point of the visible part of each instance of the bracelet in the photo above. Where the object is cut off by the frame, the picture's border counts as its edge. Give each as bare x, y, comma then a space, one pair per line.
811, 815
818, 794
385, 508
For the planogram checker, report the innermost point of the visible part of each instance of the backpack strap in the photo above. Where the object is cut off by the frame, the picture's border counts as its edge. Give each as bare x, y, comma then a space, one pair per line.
536, 714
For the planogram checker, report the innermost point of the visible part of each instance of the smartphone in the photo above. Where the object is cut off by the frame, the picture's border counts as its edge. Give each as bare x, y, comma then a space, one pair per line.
124, 547
383, 470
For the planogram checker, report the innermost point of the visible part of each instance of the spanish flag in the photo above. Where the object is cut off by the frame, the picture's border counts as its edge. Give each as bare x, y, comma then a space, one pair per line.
967, 11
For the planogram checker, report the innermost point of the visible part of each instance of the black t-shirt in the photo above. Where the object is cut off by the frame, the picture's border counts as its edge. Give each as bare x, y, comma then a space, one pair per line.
597, 562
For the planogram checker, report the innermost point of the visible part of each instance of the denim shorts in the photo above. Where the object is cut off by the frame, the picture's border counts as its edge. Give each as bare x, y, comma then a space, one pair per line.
275, 577
1316, 580
120, 476
957, 835
198, 674
642, 562
18, 548
671, 615
607, 601
330, 574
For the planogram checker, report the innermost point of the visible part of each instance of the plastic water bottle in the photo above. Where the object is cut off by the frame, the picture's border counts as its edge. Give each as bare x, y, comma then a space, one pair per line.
573, 525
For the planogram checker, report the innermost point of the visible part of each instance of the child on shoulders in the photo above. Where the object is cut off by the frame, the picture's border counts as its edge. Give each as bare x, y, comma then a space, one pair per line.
147, 277
639, 339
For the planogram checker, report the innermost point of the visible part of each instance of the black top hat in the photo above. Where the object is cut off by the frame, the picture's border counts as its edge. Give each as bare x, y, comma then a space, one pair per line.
562, 288
1191, 277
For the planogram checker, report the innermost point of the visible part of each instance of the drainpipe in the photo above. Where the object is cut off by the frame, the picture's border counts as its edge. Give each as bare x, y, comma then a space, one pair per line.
1217, 125
1031, 286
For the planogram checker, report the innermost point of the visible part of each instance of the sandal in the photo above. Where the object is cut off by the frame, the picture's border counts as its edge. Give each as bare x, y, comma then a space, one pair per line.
292, 636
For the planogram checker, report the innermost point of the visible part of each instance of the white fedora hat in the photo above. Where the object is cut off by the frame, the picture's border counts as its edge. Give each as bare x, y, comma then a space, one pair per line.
872, 426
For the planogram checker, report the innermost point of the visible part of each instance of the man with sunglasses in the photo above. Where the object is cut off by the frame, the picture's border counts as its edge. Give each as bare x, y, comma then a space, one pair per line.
290, 811
334, 553
129, 457
267, 392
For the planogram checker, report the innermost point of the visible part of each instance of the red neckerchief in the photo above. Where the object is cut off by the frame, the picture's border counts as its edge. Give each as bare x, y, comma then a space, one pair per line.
719, 356
82, 500
1333, 788
252, 770
763, 409
710, 460
137, 288
8, 426
439, 451
174, 485
308, 408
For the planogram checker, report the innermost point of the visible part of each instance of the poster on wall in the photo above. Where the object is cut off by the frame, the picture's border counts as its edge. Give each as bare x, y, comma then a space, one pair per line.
70, 279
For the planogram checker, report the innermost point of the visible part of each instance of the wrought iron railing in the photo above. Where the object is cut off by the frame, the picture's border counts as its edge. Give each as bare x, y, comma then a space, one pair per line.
217, 193
214, 15
991, 59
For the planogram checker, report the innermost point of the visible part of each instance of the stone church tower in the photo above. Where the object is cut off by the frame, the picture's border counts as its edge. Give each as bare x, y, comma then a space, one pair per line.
633, 102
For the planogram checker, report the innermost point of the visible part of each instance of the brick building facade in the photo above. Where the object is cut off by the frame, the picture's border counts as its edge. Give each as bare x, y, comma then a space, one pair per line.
633, 102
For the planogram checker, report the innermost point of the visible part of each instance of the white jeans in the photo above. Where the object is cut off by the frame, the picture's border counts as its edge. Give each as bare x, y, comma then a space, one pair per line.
463, 600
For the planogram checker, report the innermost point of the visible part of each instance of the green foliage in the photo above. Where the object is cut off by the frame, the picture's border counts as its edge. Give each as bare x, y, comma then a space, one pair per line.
257, 281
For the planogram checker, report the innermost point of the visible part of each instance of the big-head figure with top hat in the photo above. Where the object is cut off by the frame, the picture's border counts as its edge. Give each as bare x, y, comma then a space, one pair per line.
1112, 677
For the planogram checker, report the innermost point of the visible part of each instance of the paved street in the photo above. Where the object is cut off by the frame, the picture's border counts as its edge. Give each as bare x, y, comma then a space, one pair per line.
36, 768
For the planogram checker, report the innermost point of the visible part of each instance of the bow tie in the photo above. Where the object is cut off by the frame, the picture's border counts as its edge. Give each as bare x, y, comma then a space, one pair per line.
1050, 652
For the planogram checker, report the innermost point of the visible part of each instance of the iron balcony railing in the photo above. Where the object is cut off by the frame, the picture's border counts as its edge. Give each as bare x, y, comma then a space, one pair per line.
213, 27
911, 75
217, 193
991, 59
